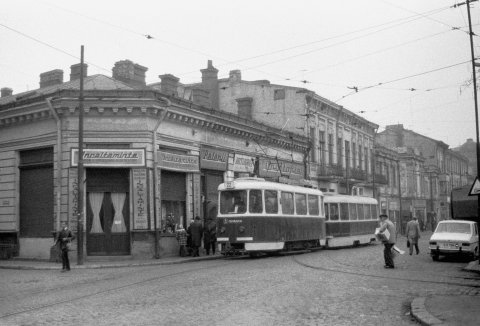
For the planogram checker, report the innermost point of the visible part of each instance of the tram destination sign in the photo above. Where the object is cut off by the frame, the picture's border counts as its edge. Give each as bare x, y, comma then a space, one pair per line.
128, 157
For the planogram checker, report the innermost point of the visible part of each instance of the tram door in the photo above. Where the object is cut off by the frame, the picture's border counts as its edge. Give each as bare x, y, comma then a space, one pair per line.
107, 212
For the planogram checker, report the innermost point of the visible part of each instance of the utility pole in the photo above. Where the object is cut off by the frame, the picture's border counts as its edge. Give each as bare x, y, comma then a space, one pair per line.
80, 168
474, 93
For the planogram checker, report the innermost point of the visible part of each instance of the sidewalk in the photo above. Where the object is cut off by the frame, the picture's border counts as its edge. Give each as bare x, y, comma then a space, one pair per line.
449, 309
110, 262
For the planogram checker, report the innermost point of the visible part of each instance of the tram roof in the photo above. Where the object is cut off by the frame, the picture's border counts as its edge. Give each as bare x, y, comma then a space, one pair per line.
340, 198
260, 183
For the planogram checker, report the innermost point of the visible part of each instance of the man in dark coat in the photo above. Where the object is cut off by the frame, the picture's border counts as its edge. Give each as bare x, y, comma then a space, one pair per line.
64, 238
386, 224
210, 236
196, 230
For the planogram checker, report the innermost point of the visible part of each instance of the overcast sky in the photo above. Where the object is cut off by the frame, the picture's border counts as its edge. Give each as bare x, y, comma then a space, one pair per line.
408, 59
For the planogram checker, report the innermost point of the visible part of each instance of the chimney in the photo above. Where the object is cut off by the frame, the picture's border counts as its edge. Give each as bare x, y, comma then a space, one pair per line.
235, 75
5, 91
210, 83
75, 71
244, 106
200, 97
50, 78
130, 73
169, 84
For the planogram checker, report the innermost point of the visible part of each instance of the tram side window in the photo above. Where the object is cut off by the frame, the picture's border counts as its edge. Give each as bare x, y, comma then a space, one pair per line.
333, 212
327, 212
313, 205
344, 211
361, 212
271, 202
255, 201
353, 211
287, 203
301, 204
368, 213
374, 212
233, 202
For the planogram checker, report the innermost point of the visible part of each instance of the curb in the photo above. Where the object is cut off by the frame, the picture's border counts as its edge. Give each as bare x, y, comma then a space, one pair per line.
421, 314
115, 265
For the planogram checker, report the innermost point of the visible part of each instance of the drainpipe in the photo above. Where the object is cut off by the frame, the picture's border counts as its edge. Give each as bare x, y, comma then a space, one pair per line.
58, 171
156, 188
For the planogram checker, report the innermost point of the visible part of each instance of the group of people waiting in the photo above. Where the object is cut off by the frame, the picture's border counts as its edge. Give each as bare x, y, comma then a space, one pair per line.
190, 240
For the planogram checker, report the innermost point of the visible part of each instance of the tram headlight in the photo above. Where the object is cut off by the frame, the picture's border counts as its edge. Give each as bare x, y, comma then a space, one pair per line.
241, 229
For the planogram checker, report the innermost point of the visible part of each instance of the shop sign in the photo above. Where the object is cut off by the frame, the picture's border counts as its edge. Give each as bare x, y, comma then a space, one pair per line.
419, 203
272, 168
129, 157
243, 163
140, 195
177, 162
213, 159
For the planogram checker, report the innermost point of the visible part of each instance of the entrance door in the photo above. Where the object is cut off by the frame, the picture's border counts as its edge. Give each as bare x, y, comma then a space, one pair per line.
108, 212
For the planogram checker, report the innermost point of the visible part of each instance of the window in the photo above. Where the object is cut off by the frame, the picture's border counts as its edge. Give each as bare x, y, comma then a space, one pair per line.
344, 211
330, 149
361, 212
354, 155
333, 212
279, 94
373, 209
367, 214
287, 203
233, 202
360, 158
271, 202
255, 201
301, 204
347, 154
321, 147
327, 212
339, 152
353, 211
313, 205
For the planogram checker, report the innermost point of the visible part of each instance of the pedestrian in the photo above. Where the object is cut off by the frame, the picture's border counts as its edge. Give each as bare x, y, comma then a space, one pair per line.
196, 230
64, 238
181, 236
413, 234
189, 238
386, 224
210, 236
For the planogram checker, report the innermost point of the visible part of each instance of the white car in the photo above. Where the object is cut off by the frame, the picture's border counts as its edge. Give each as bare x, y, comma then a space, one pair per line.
455, 237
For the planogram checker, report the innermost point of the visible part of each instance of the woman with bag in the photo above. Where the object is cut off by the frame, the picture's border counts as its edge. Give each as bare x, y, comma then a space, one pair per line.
64, 239
413, 234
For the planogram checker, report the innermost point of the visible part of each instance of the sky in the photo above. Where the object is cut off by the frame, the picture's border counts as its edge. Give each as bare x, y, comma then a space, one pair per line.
389, 61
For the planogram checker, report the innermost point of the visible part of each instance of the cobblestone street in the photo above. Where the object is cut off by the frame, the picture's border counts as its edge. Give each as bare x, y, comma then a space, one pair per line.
328, 287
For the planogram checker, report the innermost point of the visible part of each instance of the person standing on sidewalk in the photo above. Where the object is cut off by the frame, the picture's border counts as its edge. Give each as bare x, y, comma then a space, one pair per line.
210, 236
413, 234
181, 236
386, 224
196, 230
64, 238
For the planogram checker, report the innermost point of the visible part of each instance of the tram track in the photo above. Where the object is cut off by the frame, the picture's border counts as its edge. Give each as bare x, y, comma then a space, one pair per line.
109, 290
389, 277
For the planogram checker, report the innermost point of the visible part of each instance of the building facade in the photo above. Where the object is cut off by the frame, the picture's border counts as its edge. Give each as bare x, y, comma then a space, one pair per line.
152, 160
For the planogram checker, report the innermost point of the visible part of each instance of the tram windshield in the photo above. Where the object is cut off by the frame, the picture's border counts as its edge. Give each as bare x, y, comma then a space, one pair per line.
233, 202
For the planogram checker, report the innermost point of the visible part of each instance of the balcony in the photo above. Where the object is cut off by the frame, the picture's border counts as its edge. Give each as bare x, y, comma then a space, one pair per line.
357, 174
331, 172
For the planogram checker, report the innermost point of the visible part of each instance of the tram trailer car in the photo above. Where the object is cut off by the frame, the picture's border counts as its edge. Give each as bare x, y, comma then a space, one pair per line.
257, 216
350, 220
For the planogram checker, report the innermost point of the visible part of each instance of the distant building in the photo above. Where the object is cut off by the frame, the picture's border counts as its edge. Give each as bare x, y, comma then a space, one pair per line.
469, 150
443, 167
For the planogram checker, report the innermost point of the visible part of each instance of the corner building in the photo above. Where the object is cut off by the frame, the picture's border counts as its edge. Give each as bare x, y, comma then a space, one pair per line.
152, 158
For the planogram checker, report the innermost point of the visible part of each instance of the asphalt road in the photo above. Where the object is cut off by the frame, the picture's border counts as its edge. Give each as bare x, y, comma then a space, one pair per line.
327, 287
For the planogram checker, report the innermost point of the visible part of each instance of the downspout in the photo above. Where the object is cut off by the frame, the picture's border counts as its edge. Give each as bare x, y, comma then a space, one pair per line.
58, 171
156, 188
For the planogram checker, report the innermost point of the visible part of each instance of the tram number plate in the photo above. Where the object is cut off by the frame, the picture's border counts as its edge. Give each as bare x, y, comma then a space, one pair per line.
229, 185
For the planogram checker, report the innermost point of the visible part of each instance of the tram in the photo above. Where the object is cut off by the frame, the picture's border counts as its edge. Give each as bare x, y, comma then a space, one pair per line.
257, 216
350, 220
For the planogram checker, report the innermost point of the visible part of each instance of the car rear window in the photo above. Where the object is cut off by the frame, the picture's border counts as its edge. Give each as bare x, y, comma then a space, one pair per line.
453, 228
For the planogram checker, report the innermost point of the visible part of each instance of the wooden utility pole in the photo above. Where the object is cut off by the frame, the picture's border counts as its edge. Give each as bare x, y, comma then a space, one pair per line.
80, 168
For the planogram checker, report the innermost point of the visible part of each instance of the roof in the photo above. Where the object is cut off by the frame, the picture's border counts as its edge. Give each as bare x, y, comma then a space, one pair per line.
260, 183
94, 82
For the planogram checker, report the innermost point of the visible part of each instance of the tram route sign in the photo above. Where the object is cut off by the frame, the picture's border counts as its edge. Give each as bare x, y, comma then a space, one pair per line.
475, 189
